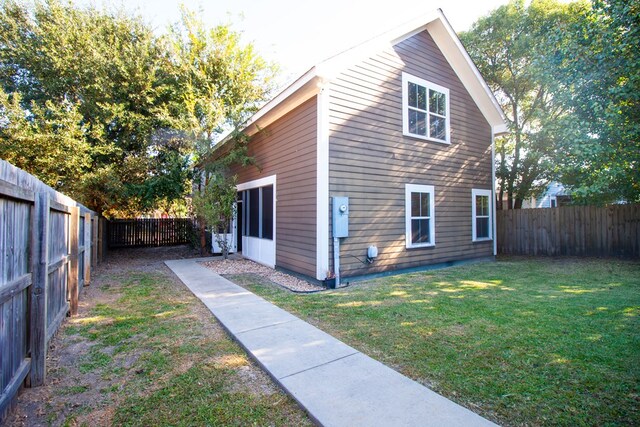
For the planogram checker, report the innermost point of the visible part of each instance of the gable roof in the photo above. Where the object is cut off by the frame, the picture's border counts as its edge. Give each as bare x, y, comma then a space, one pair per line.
311, 82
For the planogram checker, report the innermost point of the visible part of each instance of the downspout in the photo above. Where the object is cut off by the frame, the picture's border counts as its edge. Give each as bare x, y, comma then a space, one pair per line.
336, 259
493, 191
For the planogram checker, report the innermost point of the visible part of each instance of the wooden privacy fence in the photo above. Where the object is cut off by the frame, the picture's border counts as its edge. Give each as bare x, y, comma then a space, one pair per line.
48, 246
570, 230
149, 232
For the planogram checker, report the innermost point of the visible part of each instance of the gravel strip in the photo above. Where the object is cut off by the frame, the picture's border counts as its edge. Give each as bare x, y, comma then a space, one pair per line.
242, 266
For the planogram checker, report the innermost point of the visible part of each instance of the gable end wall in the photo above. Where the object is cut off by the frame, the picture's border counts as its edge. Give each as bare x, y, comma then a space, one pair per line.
371, 161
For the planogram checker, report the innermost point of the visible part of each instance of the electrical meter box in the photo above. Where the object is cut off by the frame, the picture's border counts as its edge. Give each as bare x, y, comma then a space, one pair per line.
340, 217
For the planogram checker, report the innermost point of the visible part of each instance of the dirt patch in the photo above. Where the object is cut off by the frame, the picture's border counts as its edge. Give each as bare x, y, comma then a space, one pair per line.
87, 381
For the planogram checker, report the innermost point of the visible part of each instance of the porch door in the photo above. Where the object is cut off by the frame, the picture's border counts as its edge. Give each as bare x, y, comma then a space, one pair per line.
258, 222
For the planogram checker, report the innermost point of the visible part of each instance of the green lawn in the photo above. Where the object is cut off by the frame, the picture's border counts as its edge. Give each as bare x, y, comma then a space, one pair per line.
520, 341
157, 358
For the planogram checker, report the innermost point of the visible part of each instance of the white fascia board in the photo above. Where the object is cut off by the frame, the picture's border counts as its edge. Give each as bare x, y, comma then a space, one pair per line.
493, 196
447, 41
291, 97
294, 95
455, 53
338, 63
500, 129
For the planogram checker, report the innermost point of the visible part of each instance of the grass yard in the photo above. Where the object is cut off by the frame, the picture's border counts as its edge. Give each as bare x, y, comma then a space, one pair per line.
520, 341
144, 351
177, 375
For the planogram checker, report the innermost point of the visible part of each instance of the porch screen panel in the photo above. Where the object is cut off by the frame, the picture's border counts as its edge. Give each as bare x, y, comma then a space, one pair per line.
267, 212
254, 212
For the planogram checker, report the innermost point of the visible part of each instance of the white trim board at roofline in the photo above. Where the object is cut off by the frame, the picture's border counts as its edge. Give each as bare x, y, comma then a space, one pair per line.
311, 82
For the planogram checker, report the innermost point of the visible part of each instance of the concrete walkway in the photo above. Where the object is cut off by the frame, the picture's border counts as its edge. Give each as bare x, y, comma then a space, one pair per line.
336, 384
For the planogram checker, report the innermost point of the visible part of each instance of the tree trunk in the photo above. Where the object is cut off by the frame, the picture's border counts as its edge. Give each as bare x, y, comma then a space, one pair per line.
203, 238
517, 203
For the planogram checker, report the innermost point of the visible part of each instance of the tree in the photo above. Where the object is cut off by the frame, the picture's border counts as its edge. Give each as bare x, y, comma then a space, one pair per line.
215, 201
220, 81
506, 46
593, 66
47, 141
142, 102
215, 206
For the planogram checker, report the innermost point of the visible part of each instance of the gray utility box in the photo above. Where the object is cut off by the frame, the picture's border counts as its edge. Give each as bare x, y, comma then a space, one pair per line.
340, 217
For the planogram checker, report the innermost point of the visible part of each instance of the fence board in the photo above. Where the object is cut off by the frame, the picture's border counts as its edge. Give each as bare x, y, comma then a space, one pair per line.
15, 219
570, 230
148, 232
74, 247
87, 249
34, 276
39, 298
14, 287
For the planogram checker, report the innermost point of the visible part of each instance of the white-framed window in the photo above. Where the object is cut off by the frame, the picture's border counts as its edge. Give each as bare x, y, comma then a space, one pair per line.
425, 109
481, 213
419, 215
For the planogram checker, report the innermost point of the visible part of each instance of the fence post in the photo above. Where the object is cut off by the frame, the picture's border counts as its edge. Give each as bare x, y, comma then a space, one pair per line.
87, 248
73, 273
40, 266
100, 239
94, 242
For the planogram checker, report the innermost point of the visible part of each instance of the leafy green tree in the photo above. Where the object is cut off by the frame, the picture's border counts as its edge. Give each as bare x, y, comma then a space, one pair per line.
506, 46
216, 207
214, 202
47, 141
220, 81
141, 103
593, 67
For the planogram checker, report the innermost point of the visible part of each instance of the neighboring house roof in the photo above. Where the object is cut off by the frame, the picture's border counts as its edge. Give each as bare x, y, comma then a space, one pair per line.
311, 82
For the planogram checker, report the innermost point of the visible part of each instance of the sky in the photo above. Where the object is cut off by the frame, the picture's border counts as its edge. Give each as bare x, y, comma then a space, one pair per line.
297, 34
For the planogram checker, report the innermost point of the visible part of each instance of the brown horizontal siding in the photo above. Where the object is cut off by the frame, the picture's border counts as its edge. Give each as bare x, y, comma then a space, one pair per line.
371, 161
287, 148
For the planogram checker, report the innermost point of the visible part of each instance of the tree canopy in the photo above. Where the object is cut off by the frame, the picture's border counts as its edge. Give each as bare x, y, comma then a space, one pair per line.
593, 64
567, 77
97, 105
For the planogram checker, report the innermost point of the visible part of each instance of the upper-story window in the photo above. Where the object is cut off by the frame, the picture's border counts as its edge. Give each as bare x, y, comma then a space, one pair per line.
425, 109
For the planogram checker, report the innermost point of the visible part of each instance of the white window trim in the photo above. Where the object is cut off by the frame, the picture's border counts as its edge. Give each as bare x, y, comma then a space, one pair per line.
263, 251
477, 192
416, 188
406, 78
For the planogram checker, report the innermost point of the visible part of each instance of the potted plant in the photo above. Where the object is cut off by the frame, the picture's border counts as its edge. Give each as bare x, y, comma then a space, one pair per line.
330, 281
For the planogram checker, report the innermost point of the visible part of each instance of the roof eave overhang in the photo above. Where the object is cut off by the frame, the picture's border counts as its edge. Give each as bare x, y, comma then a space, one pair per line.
455, 53
310, 83
294, 95
298, 92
